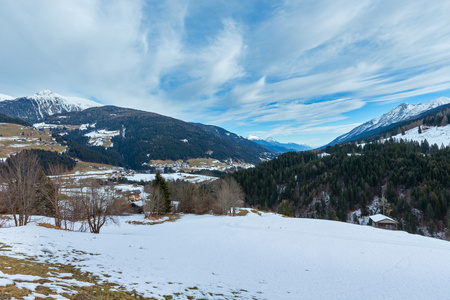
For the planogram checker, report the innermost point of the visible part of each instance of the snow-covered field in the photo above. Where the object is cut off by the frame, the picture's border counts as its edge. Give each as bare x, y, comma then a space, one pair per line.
174, 176
102, 137
433, 135
258, 256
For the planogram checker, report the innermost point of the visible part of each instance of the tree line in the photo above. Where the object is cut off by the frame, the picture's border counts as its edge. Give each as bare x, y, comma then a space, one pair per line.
27, 190
413, 177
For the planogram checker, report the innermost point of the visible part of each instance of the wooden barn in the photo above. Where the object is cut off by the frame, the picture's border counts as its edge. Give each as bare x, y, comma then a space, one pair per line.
381, 221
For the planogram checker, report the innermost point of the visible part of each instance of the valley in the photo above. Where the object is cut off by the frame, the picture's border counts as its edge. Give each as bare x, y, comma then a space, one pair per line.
233, 205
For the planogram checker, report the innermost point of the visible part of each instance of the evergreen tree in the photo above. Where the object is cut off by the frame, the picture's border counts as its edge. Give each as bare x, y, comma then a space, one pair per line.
161, 183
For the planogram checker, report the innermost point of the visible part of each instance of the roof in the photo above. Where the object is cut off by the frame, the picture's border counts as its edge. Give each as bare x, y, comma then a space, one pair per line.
379, 217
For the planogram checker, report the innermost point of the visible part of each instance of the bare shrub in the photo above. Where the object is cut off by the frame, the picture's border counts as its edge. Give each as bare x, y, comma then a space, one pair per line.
98, 204
229, 196
19, 176
154, 204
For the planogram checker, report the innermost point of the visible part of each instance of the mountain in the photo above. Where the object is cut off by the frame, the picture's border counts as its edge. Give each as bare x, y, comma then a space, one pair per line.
5, 97
7, 119
433, 124
278, 147
398, 114
136, 137
42, 104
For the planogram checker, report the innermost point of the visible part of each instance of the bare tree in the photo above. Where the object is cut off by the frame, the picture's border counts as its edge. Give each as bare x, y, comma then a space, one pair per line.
229, 196
50, 193
19, 177
155, 202
386, 206
99, 205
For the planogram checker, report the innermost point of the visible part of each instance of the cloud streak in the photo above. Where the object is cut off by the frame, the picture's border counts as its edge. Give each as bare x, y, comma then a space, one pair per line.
297, 68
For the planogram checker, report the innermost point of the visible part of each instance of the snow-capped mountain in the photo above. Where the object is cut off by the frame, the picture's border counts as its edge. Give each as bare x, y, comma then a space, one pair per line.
48, 97
402, 112
42, 104
278, 147
5, 97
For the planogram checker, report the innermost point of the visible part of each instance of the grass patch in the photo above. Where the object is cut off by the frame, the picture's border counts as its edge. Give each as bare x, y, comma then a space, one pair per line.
47, 225
256, 212
96, 289
17, 137
242, 213
155, 220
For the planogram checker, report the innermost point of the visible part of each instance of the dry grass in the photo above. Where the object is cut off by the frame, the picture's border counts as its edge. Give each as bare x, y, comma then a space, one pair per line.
49, 272
47, 225
201, 162
255, 211
88, 166
15, 131
156, 219
242, 213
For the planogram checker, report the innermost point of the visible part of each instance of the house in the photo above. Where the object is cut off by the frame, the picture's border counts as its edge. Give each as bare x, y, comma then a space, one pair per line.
132, 196
381, 221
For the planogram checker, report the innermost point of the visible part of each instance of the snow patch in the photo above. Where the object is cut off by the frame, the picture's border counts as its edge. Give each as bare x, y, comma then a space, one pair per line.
433, 135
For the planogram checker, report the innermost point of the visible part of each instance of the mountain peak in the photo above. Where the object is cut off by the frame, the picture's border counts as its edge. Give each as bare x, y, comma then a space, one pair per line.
401, 112
254, 138
45, 92
438, 102
41, 104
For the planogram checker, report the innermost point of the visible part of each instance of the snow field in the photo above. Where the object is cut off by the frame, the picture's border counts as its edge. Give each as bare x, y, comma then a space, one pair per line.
263, 256
434, 135
174, 176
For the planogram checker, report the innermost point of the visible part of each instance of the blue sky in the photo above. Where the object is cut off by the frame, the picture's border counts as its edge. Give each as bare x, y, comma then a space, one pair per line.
299, 71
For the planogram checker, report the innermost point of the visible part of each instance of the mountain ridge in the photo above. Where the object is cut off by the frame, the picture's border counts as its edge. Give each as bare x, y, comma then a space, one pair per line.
279, 147
138, 136
42, 104
402, 112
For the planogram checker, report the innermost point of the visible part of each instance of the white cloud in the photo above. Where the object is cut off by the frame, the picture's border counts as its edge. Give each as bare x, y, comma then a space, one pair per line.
294, 61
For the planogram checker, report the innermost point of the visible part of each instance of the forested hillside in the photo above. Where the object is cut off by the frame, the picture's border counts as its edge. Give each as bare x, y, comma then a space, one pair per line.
415, 180
7, 119
143, 136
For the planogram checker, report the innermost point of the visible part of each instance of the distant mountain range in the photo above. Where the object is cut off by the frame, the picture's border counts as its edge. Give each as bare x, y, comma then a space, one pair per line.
278, 147
136, 137
130, 136
402, 112
42, 104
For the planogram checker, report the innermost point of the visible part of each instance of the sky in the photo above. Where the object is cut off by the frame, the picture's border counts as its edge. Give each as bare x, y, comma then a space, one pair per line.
297, 71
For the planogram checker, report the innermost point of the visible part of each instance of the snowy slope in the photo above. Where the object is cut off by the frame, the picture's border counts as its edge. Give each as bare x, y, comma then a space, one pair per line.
400, 113
261, 256
42, 104
433, 135
5, 97
47, 97
173, 177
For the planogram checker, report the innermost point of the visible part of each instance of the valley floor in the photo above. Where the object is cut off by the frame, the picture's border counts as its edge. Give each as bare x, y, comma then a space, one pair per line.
257, 256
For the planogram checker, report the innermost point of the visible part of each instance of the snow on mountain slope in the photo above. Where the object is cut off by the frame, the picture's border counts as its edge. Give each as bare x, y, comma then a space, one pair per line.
259, 256
400, 113
433, 135
278, 147
42, 104
254, 138
47, 97
5, 97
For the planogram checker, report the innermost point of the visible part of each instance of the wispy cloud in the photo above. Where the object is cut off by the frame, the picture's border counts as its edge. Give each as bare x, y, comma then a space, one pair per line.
291, 67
